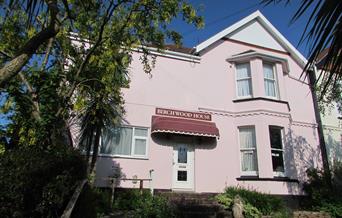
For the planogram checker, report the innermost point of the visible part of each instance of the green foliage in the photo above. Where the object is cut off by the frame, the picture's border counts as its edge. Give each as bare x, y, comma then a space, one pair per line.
143, 205
92, 202
322, 195
78, 71
250, 211
265, 203
36, 182
225, 200
255, 203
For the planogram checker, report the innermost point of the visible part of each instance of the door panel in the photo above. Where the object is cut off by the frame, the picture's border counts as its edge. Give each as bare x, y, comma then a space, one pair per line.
183, 167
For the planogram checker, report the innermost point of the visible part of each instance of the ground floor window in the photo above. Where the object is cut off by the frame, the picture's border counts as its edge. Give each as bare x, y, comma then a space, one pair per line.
277, 150
125, 141
249, 163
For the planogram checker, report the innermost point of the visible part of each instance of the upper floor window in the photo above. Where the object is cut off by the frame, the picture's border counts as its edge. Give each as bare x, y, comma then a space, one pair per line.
270, 80
243, 80
125, 141
277, 150
249, 164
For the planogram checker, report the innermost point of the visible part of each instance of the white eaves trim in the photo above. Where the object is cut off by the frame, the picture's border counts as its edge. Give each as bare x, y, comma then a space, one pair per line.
266, 24
171, 54
264, 56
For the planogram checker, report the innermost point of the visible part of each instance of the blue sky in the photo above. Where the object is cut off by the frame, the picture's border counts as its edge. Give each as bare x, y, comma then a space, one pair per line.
219, 14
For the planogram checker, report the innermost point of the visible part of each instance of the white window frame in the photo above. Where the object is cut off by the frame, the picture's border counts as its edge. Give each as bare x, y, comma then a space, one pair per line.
132, 155
248, 173
275, 80
241, 79
278, 173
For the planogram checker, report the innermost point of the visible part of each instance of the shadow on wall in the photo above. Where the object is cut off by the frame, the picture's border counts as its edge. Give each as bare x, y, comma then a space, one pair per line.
107, 169
167, 139
299, 156
334, 147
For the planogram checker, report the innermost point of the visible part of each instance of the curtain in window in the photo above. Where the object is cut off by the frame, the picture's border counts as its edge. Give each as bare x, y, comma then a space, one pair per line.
248, 149
269, 79
243, 76
117, 141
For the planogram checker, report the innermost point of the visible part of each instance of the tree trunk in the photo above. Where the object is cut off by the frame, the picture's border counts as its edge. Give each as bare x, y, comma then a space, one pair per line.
324, 154
96, 147
13, 67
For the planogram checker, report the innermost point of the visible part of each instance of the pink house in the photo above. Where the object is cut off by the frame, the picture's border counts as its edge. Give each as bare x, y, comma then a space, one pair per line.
233, 111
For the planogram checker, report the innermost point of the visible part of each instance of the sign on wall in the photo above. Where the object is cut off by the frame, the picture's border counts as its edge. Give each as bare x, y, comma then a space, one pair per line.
183, 114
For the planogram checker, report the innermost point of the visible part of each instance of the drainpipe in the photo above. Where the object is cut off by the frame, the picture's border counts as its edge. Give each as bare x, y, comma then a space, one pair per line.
151, 181
322, 145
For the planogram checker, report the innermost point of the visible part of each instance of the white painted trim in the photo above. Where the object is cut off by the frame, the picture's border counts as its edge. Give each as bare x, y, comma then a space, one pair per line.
170, 54
266, 24
265, 57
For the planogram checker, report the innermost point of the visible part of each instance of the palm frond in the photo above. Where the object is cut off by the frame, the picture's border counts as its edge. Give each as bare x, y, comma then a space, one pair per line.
323, 30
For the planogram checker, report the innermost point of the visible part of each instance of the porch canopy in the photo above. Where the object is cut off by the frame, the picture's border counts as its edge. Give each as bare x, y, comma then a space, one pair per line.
181, 126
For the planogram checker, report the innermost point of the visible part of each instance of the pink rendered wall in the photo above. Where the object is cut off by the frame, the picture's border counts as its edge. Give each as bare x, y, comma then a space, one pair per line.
211, 85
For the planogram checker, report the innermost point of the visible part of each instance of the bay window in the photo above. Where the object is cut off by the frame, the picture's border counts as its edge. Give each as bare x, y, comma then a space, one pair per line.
125, 141
243, 80
277, 150
249, 164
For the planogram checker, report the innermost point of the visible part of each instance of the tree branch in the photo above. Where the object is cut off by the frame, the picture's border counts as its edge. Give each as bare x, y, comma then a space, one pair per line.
97, 43
13, 67
33, 95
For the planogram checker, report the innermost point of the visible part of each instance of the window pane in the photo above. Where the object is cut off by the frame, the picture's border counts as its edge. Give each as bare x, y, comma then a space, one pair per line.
277, 161
244, 87
247, 138
270, 88
181, 175
140, 132
275, 138
242, 71
269, 80
249, 161
117, 141
182, 154
268, 71
248, 157
140, 147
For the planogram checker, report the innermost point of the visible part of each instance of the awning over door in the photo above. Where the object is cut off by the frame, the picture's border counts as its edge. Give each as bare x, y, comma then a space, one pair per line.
184, 126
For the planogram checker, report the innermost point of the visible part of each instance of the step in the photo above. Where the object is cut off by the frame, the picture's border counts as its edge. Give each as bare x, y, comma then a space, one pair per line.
190, 205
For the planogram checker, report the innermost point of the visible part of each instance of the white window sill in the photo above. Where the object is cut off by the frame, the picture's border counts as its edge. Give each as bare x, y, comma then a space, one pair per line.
249, 173
279, 174
124, 156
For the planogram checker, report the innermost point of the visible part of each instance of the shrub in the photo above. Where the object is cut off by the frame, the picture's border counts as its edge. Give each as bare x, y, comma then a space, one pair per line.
255, 203
265, 203
322, 195
143, 204
38, 183
92, 202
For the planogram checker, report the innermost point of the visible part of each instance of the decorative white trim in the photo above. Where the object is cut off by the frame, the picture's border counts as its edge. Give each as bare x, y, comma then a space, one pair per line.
170, 54
245, 113
267, 25
333, 128
304, 124
185, 133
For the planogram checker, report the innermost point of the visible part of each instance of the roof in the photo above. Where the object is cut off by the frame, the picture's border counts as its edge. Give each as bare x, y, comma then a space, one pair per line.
257, 15
180, 49
321, 58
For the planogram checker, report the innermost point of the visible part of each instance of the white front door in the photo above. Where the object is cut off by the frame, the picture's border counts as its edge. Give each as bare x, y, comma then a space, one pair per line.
183, 167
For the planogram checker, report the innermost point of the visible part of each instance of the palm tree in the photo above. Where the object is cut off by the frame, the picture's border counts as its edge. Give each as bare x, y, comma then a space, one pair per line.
322, 31
100, 113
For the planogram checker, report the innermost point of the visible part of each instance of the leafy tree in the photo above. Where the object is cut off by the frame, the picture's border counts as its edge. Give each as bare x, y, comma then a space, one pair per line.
65, 60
